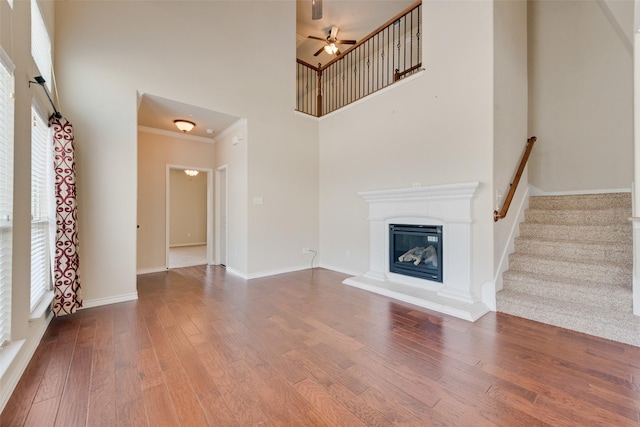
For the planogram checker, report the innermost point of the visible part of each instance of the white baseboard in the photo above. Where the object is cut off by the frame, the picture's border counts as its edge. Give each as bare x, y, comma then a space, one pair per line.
538, 192
110, 300
184, 245
342, 270
151, 270
268, 273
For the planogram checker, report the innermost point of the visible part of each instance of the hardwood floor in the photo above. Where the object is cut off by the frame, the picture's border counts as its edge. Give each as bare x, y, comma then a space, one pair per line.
201, 348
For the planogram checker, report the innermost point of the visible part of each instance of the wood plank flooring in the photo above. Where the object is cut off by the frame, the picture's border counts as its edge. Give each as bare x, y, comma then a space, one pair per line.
202, 348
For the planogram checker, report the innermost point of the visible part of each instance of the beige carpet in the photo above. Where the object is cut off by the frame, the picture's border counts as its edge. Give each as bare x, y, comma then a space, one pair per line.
572, 266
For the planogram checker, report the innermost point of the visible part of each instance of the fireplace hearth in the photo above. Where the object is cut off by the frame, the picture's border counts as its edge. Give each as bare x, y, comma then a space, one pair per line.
416, 250
444, 207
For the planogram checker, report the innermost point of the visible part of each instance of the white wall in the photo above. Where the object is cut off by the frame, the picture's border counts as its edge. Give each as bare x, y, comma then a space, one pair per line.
183, 50
436, 128
154, 152
233, 156
510, 115
187, 208
580, 97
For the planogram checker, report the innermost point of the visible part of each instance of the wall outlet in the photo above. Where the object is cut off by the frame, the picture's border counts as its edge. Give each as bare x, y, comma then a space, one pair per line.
347, 254
305, 250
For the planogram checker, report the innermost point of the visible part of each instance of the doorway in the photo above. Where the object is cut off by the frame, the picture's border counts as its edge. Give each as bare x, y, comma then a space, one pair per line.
188, 216
221, 215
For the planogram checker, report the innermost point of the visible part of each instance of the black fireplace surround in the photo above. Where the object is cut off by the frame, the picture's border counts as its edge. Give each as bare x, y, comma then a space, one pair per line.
416, 250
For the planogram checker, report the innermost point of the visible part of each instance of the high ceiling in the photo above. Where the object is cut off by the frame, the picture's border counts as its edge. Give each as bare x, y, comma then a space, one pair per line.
355, 19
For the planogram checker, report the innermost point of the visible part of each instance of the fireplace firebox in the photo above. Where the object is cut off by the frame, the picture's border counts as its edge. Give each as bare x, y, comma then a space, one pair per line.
416, 250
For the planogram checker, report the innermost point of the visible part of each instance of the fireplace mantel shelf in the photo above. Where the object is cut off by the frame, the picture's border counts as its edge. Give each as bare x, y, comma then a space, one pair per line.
445, 205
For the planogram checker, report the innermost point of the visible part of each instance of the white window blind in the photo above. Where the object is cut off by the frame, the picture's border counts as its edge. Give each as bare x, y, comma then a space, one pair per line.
41, 199
6, 192
40, 43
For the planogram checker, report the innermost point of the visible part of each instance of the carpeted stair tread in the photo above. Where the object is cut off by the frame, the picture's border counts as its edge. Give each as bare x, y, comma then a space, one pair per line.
581, 201
606, 273
572, 266
573, 290
575, 249
621, 326
612, 233
614, 215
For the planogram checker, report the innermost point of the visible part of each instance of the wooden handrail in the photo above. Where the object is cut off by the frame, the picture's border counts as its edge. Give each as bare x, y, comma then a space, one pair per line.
373, 33
514, 185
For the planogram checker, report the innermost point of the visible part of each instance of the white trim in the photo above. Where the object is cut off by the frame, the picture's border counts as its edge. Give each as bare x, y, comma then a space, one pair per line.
41, 309
538, 192
185, 245
341, 270
229, 130
15, 357
151, 270
110, 300
277, 271
175, 134
513, 233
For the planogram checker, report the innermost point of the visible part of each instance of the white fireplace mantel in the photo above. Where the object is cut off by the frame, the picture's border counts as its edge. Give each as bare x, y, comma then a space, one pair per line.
446, 205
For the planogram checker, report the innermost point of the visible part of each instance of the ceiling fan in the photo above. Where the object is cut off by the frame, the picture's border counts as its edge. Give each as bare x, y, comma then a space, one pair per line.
331, 41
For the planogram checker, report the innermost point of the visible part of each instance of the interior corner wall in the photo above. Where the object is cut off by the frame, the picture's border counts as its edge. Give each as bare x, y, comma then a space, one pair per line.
106, 52
510, 114
434, 128
233, 156
154, 153
580, 97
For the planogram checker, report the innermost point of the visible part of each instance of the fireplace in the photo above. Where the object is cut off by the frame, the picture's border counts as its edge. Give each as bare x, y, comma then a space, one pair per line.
444, 207
416, 250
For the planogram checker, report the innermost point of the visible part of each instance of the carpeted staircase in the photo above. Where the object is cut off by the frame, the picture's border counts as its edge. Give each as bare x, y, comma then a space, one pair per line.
572, 266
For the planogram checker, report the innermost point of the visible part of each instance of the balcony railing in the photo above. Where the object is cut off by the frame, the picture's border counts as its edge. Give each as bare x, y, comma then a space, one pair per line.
387, 55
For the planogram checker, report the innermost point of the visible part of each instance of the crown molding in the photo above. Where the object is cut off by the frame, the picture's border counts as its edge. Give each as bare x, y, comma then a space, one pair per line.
172, 134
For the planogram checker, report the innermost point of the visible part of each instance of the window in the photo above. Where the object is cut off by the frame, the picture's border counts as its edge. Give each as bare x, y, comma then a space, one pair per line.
6, 192
40, 43
41, 198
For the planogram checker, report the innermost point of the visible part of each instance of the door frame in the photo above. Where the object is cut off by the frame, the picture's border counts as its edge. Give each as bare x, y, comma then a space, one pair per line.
167, 227
222, 199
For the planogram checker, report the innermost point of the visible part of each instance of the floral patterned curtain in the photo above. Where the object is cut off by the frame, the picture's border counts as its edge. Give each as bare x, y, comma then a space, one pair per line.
66, 277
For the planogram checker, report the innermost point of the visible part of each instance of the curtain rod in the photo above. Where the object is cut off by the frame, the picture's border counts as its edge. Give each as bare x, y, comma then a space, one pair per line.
40, 81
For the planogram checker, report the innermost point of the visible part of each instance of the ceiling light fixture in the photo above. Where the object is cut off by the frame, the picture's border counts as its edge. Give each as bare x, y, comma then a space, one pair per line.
331, 48
184, 125
191, 172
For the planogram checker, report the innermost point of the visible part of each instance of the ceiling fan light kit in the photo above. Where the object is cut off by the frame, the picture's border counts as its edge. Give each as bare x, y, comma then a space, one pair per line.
331, 48
330, 42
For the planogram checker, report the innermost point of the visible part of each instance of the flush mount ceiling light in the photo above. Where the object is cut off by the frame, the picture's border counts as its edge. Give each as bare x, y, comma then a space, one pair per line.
184, 125
191, 172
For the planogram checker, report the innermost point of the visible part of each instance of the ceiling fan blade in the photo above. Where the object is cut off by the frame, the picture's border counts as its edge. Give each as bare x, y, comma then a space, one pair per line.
319, 51
346, 41
317, 38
